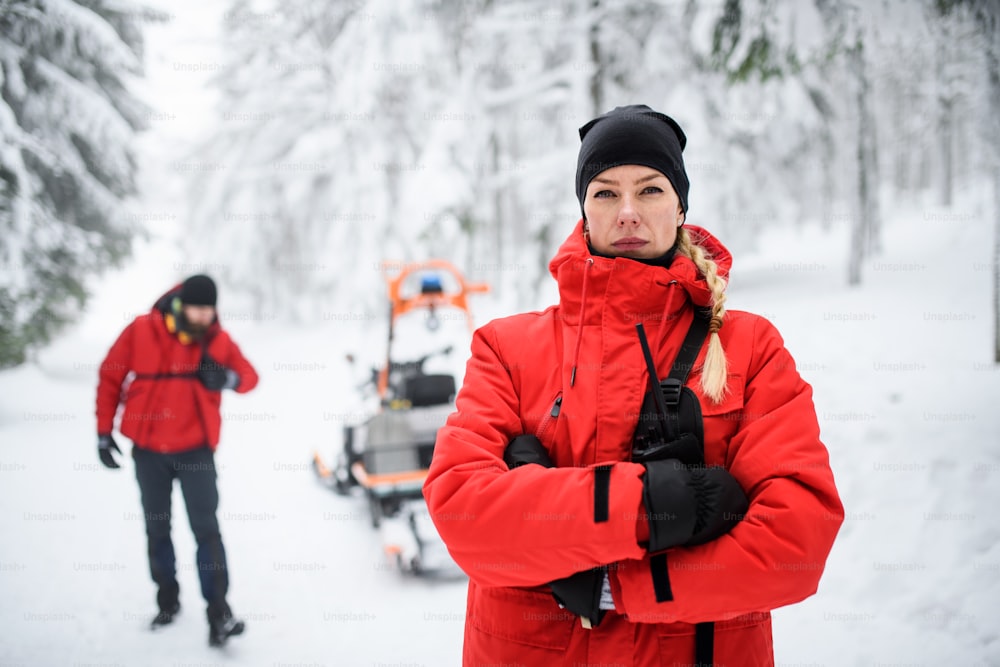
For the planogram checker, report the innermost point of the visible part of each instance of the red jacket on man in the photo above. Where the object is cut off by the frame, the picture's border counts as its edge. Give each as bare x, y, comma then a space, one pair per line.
512, 531
166, 409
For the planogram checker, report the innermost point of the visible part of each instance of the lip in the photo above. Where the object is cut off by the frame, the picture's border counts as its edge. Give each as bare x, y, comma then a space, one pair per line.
630, 243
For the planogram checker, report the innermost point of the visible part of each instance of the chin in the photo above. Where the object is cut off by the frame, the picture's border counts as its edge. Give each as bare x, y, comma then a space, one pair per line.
638, 253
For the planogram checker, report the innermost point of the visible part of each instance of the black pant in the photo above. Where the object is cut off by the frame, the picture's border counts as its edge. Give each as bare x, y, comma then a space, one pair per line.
196, 471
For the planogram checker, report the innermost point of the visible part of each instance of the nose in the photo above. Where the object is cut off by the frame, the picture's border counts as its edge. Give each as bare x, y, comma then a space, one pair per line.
627, 213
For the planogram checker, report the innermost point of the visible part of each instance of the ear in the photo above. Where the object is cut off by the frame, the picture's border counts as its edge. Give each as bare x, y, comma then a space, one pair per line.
680, 216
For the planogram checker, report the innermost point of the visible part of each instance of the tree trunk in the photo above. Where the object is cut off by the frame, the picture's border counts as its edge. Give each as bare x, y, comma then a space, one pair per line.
869, 147
829, 187
988, 18
499, 222
596, 61
945, 104
900, 149
993, 132
865, 221
996, 258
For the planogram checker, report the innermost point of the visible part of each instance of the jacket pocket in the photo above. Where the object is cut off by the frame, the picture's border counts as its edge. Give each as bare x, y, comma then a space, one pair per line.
722, 420
744, 640
136, 413
732, 401
501, 616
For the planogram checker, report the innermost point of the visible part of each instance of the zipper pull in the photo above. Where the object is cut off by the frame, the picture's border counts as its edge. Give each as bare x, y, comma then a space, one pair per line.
555, 407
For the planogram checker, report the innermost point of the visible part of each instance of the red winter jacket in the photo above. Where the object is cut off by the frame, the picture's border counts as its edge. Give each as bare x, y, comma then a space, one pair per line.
512, 531
166, 408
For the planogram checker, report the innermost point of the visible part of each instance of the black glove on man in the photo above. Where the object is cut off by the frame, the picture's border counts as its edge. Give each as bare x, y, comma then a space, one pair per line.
215, 376
105, 443
690, 505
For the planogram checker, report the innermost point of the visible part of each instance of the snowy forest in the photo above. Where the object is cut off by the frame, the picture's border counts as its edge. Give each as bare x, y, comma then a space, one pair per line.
444, 128
846, 151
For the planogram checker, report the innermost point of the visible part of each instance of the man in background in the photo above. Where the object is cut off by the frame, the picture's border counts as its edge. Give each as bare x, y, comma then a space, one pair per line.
169, 367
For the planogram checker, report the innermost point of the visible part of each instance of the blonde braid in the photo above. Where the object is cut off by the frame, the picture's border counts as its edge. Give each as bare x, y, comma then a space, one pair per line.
715, 373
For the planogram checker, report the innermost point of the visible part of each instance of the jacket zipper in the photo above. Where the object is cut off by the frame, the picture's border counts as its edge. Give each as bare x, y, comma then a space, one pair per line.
550, 417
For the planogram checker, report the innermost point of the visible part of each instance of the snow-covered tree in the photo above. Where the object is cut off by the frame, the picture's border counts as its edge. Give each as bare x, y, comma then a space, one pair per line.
986, 18
802, 72
67, 120
321, 127
440, 127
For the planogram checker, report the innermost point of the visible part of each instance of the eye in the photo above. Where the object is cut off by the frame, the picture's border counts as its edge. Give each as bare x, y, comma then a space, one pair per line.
652, 190
603, 194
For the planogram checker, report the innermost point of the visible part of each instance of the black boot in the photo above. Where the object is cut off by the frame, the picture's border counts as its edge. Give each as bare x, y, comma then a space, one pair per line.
222, 625
165, 617
168, 600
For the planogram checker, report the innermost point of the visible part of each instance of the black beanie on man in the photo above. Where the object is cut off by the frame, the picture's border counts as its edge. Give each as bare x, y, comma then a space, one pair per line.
633, 134
198, 290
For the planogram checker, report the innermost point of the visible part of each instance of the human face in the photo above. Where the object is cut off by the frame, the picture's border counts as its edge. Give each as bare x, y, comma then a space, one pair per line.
632, 211
198, 318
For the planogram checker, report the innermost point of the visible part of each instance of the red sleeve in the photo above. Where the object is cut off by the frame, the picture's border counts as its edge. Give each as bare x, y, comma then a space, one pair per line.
775, 556
527, 526
235, 360
114, 368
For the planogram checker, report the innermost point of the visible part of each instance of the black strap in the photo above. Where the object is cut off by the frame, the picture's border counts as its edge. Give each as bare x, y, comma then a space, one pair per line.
602, 485
661, 578
165, 376
683, 363
693, 341
672, 385
704, 640
193, 375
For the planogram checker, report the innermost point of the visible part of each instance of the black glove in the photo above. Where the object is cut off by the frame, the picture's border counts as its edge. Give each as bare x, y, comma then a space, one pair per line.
526, 449
215, 376
105, 443
690, 505
580, 593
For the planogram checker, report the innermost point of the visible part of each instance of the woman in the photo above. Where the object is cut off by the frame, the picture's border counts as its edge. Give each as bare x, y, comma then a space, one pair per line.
587, 537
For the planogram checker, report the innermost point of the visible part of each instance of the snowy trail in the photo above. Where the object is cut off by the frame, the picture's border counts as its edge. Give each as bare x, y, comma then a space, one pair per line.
307, 570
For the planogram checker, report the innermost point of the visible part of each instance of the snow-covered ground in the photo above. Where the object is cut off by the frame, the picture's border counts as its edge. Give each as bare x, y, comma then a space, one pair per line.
904, 388
307, 570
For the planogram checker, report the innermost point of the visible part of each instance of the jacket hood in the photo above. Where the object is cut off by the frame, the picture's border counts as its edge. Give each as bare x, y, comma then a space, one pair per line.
163, 306
573, 256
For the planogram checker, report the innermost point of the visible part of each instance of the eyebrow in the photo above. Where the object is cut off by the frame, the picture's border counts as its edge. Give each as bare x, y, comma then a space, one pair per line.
609, 181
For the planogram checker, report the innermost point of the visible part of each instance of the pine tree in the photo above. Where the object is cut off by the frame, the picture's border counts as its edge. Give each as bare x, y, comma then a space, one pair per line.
67, 119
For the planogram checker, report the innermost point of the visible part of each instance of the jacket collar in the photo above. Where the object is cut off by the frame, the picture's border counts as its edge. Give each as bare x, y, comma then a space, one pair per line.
630, 290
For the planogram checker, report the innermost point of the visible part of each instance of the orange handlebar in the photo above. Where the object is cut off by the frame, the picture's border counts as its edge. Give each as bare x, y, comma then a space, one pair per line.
404, 304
